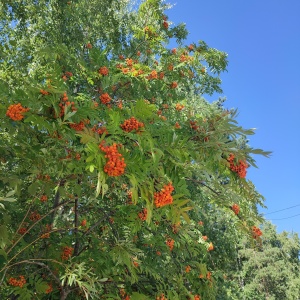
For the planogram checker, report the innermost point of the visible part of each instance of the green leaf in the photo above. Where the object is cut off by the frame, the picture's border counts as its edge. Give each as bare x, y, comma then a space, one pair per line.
3, 253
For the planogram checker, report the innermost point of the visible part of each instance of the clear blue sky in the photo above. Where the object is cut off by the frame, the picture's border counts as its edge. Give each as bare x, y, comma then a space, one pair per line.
262, 39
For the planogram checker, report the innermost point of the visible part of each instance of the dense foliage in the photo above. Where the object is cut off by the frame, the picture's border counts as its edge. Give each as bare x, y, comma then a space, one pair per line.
118, 179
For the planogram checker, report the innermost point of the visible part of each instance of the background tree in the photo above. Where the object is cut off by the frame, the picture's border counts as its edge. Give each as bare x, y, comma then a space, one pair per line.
118, 179
270, 269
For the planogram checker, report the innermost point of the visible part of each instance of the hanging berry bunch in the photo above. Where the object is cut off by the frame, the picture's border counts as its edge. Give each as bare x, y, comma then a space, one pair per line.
143, 214
17, 282
163, 197
67, 253
256, 232
170, 243
64, 102
16, 111
115, 165
240, 168
235, 208
131, 124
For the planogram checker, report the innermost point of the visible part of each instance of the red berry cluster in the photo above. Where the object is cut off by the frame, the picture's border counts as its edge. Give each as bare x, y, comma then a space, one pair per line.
67, 253
103, 71
22, 230
240, 168
105, 98
132, 124
67, 75
163, 197
15, 112
115, 165
179, 106
46, 234
235, 208
44, 92
170, 243
173, 85
79, 126
152, 75
49, 289
34, 216
188, 269
143, 214
210, 247
44, 198
194, 125
17, 282
256, 232
123, 294
100, 130
161, 297
65, 103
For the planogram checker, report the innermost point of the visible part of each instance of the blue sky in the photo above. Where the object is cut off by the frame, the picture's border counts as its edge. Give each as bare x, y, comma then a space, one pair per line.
262, 39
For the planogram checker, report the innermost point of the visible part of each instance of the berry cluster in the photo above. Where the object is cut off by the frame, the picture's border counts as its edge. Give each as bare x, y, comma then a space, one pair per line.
123, 294
152, 75
22, 230
103, 71
188, 269
161, 297
240, 168
177, 125
194, 125
173, 85
115, 165
143, 214
100, 130
184, 58
105, 98
179, 106
49, 289
170, 243
256, 232
34, 216
65, 103
135, 263
79, 126
44, 198
44, 93
16, 111
210, 247
17, 282
235, 208
163, 197
46, 234
131, 124
67, 75
197, 297
67, 253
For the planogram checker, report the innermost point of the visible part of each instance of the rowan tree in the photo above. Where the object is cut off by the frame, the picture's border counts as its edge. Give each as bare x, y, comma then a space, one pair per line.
114, 168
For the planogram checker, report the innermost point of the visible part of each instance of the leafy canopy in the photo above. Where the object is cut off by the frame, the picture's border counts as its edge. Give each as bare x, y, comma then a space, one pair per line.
113, 165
